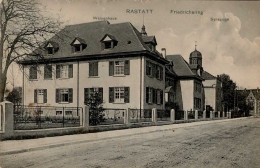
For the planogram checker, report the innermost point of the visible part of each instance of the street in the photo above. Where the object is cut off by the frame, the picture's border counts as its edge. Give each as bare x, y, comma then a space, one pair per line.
235, 143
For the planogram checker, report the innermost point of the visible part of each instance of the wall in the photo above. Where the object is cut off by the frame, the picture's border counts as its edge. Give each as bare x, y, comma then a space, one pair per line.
187, 88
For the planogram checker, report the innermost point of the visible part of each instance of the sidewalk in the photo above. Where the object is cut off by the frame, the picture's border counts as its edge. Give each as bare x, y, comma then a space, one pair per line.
20, 146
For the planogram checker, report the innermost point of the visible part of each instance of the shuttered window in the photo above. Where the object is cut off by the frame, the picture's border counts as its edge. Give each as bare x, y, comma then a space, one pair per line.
119, 68
64, 71
40, 96
33, 72
88, 92
93, 69
154, 96
119, 95
47, 71
64, 95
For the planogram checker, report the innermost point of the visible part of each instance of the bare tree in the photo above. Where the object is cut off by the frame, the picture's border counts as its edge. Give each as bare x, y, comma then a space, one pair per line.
24, 27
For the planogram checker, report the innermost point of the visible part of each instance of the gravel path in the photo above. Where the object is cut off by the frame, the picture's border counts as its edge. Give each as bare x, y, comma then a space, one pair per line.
226, 144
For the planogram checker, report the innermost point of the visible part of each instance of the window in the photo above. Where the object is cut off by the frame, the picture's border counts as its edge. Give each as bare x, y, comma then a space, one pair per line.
108, 44
93, 69
40, 96
197, 103
64, 71
197, 87
154, 96
88, 92
58, 112
68, 112
78, 45
119, 68
47, 71
33, 72
64, 95
119, 94
50, 50
148, 68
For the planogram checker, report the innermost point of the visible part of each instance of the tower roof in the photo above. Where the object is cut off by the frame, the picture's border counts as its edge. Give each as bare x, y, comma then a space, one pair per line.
195, 54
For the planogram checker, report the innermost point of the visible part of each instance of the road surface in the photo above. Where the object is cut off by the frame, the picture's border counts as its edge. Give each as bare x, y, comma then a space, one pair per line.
230, 144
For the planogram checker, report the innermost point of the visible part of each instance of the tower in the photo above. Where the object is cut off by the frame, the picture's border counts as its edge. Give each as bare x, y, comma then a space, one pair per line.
196, 57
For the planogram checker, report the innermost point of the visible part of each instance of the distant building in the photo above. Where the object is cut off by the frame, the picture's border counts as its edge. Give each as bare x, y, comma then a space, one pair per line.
253, 100
184, 81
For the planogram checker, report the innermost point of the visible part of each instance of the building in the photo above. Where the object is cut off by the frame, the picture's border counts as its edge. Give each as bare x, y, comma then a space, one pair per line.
184, 82
115, 60
252, 97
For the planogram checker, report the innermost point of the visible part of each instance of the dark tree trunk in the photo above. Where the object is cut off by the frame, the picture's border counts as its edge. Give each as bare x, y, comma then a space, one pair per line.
2, 86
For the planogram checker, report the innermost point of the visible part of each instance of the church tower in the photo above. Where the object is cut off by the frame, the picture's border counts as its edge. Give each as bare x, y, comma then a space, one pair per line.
196, 57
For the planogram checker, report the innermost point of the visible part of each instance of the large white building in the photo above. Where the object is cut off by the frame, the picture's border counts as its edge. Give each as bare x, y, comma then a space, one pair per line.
115, 60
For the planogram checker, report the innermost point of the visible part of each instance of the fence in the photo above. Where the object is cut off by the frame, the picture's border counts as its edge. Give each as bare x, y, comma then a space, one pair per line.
41, 117
163, 115
143, 115
191, 114
109, 117
1, 117
179, 115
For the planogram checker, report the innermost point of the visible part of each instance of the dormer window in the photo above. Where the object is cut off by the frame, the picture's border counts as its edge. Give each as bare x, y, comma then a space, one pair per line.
51, 47
78, 45
108, 42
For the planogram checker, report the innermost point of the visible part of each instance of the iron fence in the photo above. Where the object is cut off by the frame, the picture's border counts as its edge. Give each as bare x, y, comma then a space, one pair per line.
143, 115
163, 115
191, 114
111, 116
200, 114
42, 117
179, 115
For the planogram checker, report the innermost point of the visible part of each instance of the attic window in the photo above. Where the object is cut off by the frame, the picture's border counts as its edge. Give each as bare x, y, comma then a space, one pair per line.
51, 48
108, 42
78, 45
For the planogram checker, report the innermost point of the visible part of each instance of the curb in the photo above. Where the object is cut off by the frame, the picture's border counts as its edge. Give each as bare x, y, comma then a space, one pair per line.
101, 139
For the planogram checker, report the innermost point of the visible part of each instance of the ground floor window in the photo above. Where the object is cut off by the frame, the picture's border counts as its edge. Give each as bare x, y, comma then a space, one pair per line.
154, 96
89, 92
197, 103
64, 95
68, 112
40, 96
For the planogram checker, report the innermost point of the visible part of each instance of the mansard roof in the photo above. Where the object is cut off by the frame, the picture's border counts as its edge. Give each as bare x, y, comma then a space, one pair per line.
181, 67
129, 41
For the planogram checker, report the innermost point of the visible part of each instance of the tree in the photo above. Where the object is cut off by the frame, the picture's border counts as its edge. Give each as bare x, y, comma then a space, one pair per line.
228, 90
23, 28
96, 115
15, 96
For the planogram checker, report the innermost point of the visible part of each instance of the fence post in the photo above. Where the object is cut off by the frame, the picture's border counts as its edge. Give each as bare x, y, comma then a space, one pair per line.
204, 114
186, 115
86, 117
127, 116
211, 114
172, 115
154, 115
7, 110
223, 114
196, 115
218, 114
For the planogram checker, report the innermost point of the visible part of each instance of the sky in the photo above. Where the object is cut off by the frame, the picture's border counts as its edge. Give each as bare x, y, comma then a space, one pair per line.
230, 46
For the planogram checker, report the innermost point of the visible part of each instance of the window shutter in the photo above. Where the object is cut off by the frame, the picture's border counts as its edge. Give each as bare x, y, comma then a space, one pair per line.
71, 71
111, 68
57, 71
127, 67
70, 95
45, 71
57, 95
96, 68
86, 95
91, 69
127, 95
161, 73
161, 95
147, 67
153, 70
35, 95
45, 96
147, 94
111, 95
100, 93
154, 96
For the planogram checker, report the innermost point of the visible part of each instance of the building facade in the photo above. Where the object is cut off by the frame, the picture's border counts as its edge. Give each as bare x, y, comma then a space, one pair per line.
115, 60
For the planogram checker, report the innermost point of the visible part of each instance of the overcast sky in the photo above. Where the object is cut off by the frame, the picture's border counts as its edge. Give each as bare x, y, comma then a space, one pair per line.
231, 47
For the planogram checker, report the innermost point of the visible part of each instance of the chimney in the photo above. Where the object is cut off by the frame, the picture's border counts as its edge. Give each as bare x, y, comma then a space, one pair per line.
257, 89
164, 54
